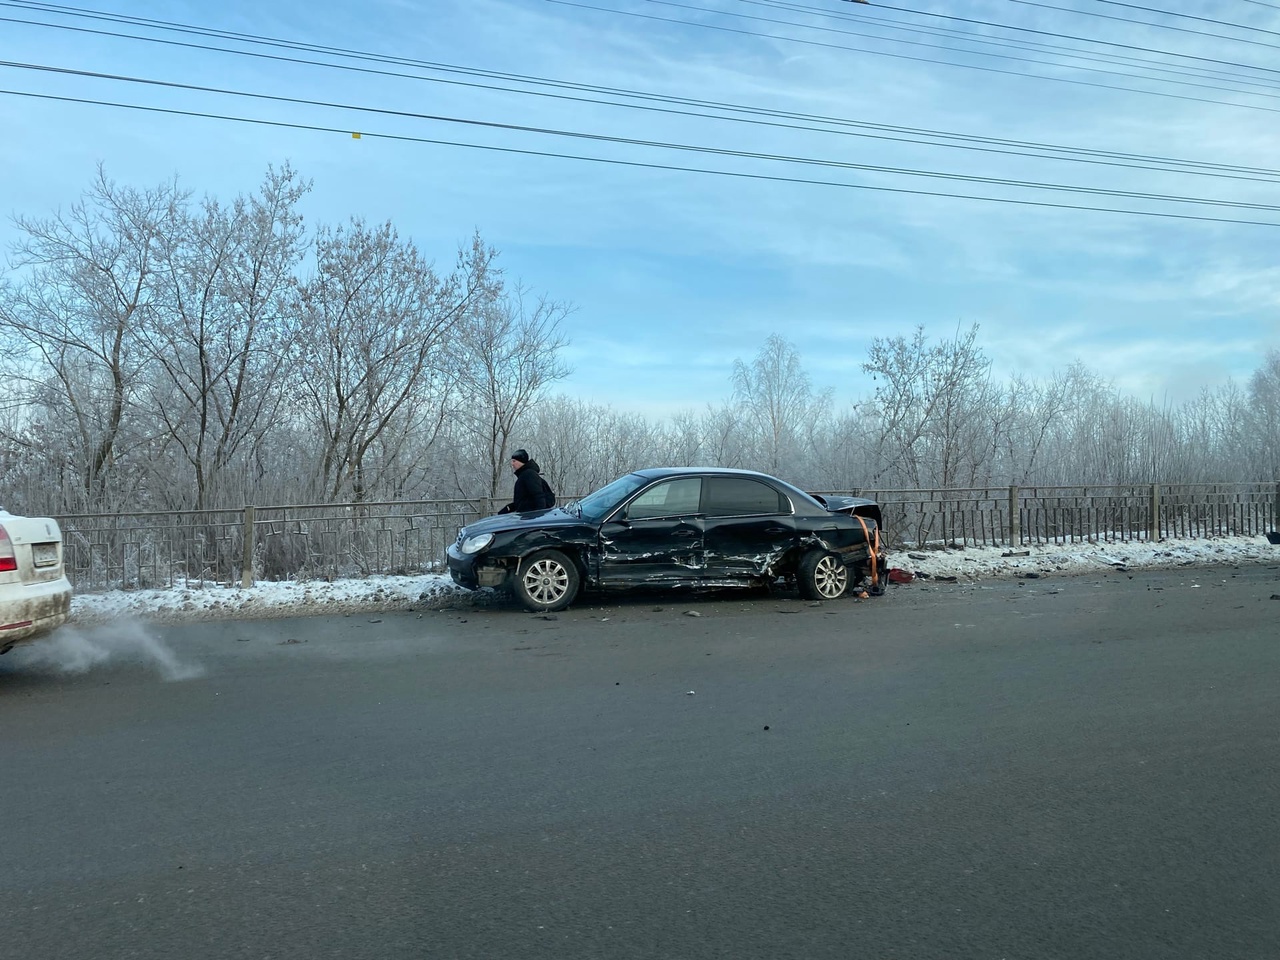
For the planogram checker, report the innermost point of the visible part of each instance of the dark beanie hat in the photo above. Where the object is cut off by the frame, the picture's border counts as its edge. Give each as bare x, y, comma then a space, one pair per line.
521, 455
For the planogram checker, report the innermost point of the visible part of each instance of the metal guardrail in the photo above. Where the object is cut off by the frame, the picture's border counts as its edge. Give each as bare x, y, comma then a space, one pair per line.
329, 541
297, 542
993, 516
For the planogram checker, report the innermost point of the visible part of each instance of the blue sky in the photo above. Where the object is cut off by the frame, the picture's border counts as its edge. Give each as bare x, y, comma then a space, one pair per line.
676, 274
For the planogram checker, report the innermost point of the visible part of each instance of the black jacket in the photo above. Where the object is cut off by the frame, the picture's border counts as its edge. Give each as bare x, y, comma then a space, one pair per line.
530, 492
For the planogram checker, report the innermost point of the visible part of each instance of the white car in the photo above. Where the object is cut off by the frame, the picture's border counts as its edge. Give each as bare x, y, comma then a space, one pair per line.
35, 594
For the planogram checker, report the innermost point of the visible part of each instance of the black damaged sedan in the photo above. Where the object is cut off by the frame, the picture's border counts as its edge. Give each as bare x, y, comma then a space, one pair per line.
697, 527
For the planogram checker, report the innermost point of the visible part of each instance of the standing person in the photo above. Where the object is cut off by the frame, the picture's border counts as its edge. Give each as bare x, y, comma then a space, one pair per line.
531, 491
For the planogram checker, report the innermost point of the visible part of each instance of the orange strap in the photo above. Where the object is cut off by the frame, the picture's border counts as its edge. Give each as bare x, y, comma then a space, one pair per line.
875, 547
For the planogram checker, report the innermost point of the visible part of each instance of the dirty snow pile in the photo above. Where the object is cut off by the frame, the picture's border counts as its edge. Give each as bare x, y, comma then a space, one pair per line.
310, 597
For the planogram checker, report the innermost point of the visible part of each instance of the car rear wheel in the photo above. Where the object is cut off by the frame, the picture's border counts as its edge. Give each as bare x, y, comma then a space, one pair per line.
546, 581
822, 576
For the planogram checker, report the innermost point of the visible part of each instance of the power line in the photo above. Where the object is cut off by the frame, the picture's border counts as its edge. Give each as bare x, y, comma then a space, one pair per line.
903, 56
119, 18
752, 114
1187, 16
1004, 182
1144, 23
977, 53
920, 43
774, 178
1029, 45
1067, 36
656, 144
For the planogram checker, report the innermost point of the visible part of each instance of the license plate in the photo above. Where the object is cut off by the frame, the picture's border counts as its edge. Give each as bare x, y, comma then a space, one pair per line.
44, 554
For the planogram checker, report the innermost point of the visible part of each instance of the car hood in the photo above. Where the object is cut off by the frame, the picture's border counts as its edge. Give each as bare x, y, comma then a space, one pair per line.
510, 522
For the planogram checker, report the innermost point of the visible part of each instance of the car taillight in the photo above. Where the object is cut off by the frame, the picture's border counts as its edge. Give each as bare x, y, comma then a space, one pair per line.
8, 559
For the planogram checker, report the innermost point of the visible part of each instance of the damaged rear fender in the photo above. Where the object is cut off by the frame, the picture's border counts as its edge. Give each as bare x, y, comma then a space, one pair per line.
850, 552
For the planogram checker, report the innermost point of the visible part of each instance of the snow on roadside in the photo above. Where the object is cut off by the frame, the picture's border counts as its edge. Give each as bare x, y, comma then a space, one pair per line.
974, 563
314, 597
266, 599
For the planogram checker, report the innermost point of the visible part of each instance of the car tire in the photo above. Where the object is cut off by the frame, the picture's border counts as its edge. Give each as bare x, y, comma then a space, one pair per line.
822, 576
546, 581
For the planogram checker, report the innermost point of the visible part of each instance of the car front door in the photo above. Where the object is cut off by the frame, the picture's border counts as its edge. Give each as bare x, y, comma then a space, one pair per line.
656, 538
748, 526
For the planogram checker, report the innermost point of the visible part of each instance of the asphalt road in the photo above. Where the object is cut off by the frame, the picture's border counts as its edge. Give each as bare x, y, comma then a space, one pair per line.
1064, 767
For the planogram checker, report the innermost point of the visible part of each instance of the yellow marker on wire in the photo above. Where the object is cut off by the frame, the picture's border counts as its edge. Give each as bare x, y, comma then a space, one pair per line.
355, 136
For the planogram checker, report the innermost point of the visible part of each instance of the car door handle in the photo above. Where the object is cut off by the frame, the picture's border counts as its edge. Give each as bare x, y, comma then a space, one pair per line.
775, 530
685, 532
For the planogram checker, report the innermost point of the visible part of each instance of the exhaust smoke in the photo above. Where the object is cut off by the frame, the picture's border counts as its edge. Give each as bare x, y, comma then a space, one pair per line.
75, 650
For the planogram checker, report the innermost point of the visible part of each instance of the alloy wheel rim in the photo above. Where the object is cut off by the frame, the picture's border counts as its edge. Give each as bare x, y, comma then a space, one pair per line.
831, 577
546, 581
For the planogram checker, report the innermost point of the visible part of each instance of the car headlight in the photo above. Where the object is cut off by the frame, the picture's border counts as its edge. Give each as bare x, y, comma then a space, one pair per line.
476, 544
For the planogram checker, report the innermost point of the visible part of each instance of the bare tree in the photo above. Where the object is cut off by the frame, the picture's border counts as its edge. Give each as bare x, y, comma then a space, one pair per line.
776, 400
508, 353
584, 445
930, 400
1035, 408
1220, 438
842, 454
969, 416
685, 441
372, 371
560, 432
725, 437
160, 353
1264, 399
89, 284
217, 348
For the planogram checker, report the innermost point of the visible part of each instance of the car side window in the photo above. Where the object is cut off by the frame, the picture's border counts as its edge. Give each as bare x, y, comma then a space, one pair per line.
673, 498
739, 497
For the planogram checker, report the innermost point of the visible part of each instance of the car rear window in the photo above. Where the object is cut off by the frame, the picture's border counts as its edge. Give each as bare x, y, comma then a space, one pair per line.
739, 497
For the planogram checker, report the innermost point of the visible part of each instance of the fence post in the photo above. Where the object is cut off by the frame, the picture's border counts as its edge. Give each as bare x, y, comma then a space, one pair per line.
1153, 533
246, 569
1275, 515
1015, 521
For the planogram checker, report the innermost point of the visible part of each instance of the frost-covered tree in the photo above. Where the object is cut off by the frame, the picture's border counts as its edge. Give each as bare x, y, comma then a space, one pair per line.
508, 354
225, 331
777, 405
934, 403
374, 368
87, 283
1264, 406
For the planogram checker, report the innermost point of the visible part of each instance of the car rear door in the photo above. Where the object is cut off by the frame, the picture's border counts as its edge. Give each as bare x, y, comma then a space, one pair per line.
749, 525
655, 539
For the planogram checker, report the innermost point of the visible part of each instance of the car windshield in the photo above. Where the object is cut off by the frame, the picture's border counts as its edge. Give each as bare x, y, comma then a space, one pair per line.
596, 506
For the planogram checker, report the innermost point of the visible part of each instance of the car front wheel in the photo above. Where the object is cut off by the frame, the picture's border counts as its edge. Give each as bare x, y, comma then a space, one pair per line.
546, 581
822, 576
